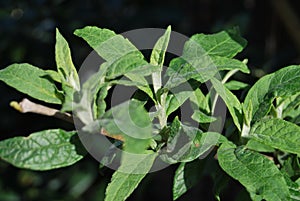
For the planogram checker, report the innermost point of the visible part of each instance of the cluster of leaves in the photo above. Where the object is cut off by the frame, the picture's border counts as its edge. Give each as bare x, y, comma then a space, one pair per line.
259, 145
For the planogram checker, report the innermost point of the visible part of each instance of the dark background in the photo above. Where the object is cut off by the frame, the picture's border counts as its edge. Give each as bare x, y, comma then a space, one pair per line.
27, 32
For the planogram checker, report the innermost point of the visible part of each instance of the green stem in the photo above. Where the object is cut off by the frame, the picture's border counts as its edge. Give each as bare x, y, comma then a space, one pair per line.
162, 117
224, 80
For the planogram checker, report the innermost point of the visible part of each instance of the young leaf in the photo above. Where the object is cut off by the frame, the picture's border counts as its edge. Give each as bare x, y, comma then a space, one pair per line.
64, 63
231, 101
277, 133
235, 85
283, 83
99, 103
158, 56
200, 100
141, 83
201, 117
174, 101
68, 98
258, 174
55, 76
85, 106
43, 150
31, 81
129, 175
160, 48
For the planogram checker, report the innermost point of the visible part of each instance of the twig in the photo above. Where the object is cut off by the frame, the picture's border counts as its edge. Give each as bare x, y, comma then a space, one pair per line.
26, 106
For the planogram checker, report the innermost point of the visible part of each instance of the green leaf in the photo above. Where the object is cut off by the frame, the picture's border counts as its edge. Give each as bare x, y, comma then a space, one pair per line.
204, 55
230, 100
158, 53
235, 85
130, 120
186, 176
106, 43
55, 76
223, 63
294, 189
291, 166
43, 150
31, 81
141, 83
201, 117
290, 106
158, 56
174, 101
200, 100
277, 133
84, 108
283, 83
129, 175
121, 55
225, 43
68, 98
195, 64
258, 174
65, 66
133, 63
186, 143
100, 103
257, 146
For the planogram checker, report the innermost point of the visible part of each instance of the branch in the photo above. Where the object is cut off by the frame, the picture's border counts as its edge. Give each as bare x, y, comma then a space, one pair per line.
27, 106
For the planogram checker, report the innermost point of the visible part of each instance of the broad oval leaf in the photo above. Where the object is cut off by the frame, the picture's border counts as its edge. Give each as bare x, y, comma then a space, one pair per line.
32, 81
257, 173
277, 133
44, 150
225, 43
282, 83
121, 55
204, 55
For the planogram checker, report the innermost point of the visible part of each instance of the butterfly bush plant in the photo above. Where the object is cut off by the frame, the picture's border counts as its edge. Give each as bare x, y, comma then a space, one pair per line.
256, 143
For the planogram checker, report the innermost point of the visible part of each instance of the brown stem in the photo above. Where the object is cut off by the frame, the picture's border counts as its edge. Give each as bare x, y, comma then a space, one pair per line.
26, 106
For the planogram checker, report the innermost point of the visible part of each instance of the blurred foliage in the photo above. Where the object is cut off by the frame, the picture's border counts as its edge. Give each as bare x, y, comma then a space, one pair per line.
27, 32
